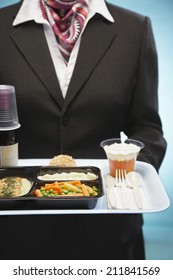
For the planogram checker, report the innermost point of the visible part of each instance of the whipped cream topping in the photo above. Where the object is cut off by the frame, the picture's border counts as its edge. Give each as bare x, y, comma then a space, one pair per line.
122, 151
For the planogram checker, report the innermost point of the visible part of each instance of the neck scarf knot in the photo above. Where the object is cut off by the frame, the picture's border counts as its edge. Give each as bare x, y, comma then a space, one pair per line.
67, 19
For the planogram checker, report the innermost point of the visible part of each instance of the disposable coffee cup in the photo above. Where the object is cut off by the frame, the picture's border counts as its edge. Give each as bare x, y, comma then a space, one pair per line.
8, 108
121, 155
8, 124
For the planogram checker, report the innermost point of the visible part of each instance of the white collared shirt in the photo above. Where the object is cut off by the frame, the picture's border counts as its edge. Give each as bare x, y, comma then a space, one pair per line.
30, 10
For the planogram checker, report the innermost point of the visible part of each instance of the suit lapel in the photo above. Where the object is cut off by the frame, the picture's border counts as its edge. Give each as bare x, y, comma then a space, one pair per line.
96, 39
31, 42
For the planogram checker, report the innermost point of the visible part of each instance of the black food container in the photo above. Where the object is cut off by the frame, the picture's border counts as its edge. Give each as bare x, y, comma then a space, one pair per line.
31, 202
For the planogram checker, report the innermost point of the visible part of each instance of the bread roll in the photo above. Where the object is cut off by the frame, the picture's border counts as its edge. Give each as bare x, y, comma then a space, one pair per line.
62, 161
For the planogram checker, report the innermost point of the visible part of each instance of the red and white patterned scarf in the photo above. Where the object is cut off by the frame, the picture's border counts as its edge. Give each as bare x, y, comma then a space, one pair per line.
67, 19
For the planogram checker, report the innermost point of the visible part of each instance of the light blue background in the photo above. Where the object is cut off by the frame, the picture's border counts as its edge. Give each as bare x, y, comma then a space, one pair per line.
158, 227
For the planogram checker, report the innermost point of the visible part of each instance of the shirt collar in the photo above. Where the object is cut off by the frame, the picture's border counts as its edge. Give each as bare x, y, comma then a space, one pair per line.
30, 11
99, 6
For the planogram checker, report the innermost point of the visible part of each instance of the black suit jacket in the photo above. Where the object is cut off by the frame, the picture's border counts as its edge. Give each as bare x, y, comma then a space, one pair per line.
113, 88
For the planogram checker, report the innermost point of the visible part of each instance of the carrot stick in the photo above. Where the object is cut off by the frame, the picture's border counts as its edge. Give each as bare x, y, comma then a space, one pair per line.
84, 189
54, 187
70, 186
74, 183
38, 193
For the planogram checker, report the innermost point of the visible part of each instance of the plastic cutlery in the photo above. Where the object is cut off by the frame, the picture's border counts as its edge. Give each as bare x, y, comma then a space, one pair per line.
110, 181
120, 181
134, 180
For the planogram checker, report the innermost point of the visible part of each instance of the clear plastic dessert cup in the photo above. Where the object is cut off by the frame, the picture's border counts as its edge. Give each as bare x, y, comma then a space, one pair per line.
8, 108
121, 155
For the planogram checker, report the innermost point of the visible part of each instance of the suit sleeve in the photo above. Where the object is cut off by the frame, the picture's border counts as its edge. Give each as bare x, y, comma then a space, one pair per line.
144, 121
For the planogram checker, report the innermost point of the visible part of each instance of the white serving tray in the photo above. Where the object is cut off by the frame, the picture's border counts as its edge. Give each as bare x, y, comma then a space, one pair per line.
153, 194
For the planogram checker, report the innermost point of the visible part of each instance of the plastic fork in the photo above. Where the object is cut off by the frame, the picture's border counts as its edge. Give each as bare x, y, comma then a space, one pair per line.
120, 181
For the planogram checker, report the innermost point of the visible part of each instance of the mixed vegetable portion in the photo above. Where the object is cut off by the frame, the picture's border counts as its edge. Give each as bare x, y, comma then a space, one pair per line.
69, 188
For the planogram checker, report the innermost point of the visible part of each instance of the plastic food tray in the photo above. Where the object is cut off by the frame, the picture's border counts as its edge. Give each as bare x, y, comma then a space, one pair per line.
30, 201
152, 190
